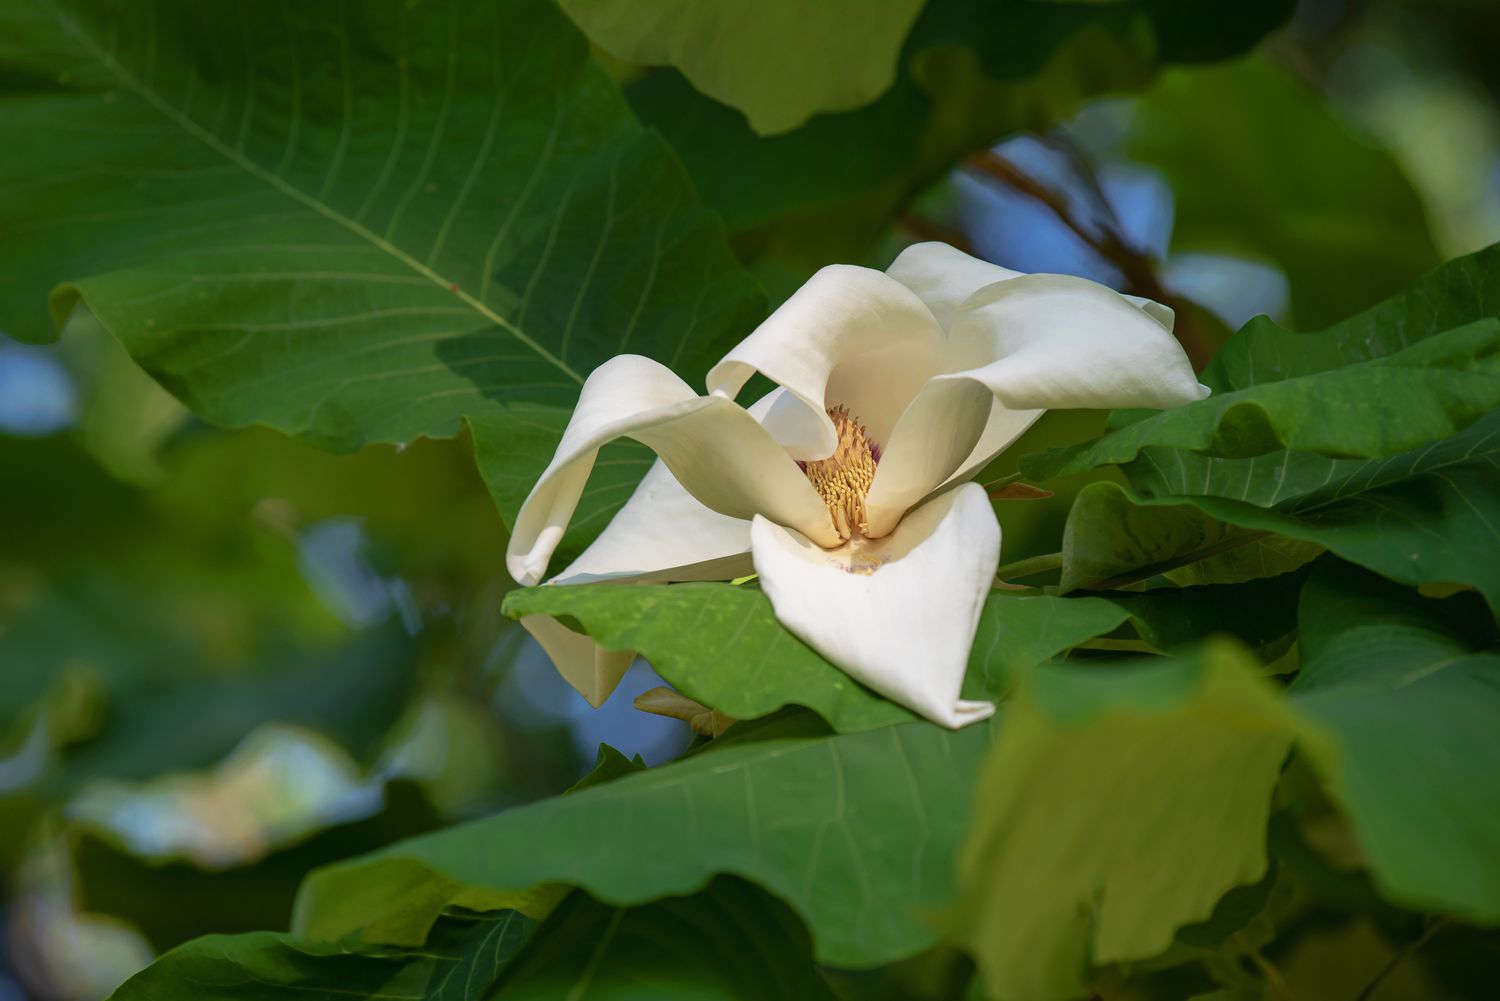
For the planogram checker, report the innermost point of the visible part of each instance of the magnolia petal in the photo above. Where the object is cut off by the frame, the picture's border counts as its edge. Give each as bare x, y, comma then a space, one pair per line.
850, 336
714, 448
663, 534
944, 276
1002, 428
930, 442
897, 613
1054, 342
584, 664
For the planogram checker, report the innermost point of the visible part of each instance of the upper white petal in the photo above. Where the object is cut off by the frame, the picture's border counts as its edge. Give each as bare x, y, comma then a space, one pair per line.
850, 336
1054, 342
944, 276
712, 446
899, 613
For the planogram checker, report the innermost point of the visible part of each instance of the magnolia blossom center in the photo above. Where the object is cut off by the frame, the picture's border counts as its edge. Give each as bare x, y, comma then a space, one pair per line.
843, 479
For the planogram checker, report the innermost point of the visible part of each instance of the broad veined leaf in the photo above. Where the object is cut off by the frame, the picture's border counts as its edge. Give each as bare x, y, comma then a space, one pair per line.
1371, 409
856, 833
780, 63
354, 224
1111, 540
1399, 696
460, 962
1117, 805
730, 942
1339, 217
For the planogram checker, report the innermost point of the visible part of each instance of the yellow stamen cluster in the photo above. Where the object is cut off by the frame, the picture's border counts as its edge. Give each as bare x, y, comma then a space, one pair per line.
844, 477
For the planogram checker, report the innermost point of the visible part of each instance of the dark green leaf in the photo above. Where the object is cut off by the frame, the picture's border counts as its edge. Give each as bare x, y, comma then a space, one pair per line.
1400, 695
729, 943
461, 962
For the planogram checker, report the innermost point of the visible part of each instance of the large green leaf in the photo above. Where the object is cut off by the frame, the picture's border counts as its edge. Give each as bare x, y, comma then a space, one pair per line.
357, 223
729, 943
1338, 216
460, 962
780, 63
855, 832
1430, 390
1117, 805
1399, 695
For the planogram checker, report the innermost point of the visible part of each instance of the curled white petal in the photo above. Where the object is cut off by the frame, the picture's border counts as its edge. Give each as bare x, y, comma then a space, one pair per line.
1055, 342
898, 613
714, 448
851, 336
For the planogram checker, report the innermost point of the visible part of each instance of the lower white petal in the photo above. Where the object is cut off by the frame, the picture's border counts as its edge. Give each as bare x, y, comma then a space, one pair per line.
662, 533
715, 449
584, 664
897, 613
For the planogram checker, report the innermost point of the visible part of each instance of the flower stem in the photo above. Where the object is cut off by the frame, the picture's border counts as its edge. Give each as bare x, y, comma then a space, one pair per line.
1030, 565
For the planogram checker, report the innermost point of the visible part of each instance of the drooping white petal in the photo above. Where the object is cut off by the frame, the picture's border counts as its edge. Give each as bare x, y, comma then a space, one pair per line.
1055, 342
713, 448
897, 613
944, 276
584, 664
850, 336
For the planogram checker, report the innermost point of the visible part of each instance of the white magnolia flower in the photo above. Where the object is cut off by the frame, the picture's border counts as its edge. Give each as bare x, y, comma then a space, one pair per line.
847, 488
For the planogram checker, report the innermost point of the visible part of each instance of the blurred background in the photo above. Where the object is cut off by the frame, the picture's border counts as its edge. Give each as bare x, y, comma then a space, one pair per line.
226, 657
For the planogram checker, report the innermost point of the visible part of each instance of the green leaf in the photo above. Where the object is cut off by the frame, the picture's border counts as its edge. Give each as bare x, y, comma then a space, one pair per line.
718, 644
1430, 390
354, 224
1400, 695
855, 833
1117, 805
1337, 215
1113, 540
460, 962
780, 63
728, 943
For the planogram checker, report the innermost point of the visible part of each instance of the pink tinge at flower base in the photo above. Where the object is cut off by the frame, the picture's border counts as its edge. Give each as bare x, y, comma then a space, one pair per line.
846, 488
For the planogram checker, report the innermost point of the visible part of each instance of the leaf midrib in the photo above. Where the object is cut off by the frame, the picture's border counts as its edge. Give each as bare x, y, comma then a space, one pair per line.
250, 167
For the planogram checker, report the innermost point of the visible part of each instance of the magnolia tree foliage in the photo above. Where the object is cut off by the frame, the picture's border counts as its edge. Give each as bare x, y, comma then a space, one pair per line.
1250, 694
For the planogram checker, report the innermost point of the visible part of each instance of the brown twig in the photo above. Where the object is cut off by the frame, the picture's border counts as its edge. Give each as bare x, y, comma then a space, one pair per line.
1138, 269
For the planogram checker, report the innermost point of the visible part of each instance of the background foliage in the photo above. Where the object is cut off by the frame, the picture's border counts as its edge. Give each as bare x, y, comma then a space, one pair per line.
298, 297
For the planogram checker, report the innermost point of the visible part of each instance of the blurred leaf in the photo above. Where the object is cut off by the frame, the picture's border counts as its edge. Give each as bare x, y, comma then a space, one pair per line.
779, 62
460, 962
609, 764
406, 231
854, 832
1400, 695
1116, 806
971, 72
1261, 166
727, 943
1367, 410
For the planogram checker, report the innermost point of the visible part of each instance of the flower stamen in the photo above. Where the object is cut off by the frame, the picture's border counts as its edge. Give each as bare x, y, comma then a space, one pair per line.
843, 478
